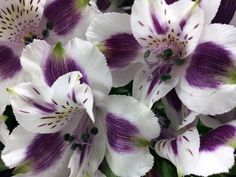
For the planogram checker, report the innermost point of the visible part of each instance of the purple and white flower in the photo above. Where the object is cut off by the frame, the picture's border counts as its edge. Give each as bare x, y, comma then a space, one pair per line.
70, 118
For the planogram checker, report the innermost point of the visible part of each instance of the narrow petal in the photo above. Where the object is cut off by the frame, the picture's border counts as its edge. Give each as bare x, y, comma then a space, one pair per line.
226, 12
47, 110
216, 151
128, 136
182, 151
209, 77
117, 41
150, 87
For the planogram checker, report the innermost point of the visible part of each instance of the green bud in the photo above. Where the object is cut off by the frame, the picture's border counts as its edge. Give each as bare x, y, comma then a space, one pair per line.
22, 169
81, 3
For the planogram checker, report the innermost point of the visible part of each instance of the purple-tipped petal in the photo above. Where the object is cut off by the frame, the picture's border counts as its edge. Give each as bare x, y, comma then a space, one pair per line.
226, 12
45, 150
54, 68
120, 133
63, 15
9, 63
121, 49
217, 137
209, 62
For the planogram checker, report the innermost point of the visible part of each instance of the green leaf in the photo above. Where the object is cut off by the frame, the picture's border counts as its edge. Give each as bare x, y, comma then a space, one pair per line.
106, 169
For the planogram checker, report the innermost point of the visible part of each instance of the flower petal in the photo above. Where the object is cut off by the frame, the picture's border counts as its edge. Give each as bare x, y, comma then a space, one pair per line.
80, 56
226, 12
71, 21
150, 87
46, 110
216, 154
127, 122
117, 41
41, 154
209, 77
182, 151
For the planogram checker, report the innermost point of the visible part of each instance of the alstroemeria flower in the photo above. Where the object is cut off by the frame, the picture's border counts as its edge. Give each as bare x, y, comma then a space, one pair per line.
191, 153
76, 136
173, 37
23, 21
70, 89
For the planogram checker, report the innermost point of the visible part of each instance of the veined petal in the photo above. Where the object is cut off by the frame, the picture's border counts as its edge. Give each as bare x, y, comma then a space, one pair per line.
93, 64
127, 122
20, 19
47, 110
36, 155
117, 41
209, 77
71, 21
4, 132
150, 86
217, 150
182, 151
226, 12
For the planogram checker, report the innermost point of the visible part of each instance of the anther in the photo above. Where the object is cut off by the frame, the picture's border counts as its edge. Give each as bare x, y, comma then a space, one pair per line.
67, 137
49, 26
94, 130
167, 53
45, 33
165, 77
147, 54
179, 61
85, 137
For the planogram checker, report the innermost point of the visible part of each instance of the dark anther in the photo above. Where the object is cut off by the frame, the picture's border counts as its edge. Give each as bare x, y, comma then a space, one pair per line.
167, 53
73, 146
94, 130
179, 61
147, 53
28, 40
85, 137
49, 25
165, 77
67, 137
45, 33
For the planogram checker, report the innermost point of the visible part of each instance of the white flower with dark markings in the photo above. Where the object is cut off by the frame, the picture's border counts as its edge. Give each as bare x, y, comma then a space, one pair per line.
70, 120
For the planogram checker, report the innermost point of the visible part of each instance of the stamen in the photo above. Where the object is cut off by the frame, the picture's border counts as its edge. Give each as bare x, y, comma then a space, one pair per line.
49, 26
45, 33
165, 77
94, 130
167, 54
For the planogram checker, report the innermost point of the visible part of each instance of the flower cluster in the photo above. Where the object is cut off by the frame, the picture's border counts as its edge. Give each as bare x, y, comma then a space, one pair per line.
68, 56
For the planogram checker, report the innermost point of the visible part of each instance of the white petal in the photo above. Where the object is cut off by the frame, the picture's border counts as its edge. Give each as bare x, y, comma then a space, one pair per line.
210, 9
182, 151
204, 94
93, 64
127, 121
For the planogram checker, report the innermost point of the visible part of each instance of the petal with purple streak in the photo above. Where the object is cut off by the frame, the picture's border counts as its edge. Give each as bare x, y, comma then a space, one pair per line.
173, 100
9, 63
209, 63
226, 12
217, 137
54, 68
159, 28
121, 49
65, 19
120, 132
45, 150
